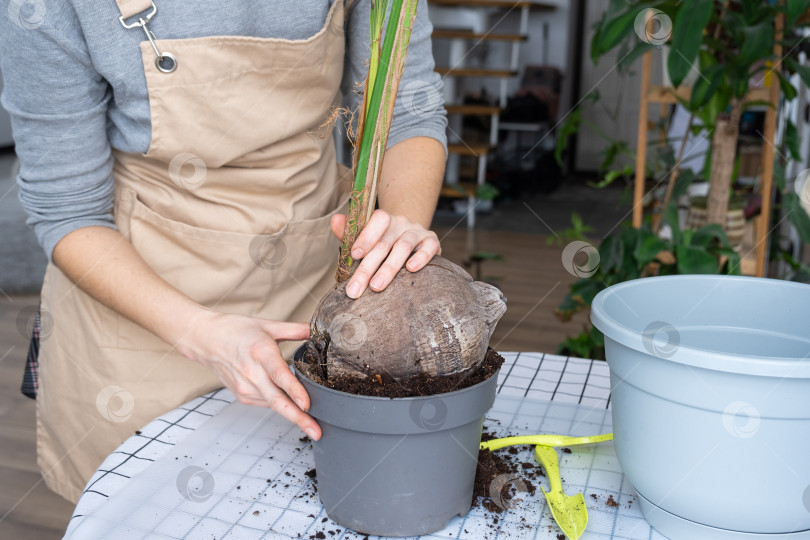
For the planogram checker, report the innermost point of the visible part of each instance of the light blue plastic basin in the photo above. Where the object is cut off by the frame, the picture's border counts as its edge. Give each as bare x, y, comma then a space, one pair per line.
710, 391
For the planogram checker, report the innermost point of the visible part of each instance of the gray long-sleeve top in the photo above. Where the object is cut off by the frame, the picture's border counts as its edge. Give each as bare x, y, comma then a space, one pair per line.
75, 88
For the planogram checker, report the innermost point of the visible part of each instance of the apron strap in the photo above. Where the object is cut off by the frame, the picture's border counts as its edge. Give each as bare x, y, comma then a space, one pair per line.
128, 8
164, 61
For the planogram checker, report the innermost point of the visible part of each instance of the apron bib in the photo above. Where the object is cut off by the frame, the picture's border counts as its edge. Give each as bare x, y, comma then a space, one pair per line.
231, 205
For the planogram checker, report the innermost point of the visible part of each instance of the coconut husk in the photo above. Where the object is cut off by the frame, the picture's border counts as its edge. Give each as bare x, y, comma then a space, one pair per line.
436, 321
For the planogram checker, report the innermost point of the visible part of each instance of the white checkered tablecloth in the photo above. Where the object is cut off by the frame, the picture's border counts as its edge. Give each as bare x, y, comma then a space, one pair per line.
257, 462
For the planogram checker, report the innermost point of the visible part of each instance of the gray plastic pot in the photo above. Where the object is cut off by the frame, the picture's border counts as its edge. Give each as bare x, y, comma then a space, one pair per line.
401, 466
710, 390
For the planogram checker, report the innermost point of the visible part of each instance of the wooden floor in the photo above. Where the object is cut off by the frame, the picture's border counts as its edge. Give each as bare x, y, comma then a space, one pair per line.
531, 276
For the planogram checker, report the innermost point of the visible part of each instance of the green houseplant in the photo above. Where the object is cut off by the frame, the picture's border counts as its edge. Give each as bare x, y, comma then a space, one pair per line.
634, 253
726, 45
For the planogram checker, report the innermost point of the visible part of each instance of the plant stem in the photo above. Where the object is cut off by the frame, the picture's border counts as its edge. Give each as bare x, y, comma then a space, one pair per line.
673, 176
724, 150
376, 18
377, 110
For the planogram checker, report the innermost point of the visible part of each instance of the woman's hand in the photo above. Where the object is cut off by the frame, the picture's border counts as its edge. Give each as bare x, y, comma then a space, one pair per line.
244, 354
384, 246
242, 351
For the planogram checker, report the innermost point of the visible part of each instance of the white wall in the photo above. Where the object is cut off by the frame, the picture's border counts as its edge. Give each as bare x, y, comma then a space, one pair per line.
604, 78
497, 54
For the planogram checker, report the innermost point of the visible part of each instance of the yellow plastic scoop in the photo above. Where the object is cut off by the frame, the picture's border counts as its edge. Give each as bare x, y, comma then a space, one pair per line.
545, 440
570, 513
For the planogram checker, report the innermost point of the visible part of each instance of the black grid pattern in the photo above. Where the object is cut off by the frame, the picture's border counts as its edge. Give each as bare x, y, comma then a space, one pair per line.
536, 393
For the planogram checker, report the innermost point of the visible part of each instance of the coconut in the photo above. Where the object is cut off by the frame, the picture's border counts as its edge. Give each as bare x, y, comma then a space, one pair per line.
437, 321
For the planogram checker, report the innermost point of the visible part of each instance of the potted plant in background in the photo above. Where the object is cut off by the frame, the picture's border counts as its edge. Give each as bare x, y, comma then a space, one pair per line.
728, 44
734, 225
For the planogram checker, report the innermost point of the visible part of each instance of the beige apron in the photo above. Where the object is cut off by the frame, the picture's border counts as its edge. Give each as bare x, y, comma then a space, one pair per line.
231, 205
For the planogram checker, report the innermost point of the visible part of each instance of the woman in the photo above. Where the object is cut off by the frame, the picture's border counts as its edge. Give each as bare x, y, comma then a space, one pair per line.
183, 189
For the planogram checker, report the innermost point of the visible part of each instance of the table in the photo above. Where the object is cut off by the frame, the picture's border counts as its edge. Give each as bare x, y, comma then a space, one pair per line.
249, 466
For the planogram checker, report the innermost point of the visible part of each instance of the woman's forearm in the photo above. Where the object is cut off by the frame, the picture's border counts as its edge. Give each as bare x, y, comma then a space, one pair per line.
411, 179
241, 351
104, 264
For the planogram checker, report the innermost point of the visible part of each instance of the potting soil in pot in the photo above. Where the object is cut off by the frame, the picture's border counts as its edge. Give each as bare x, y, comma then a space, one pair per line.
383, 385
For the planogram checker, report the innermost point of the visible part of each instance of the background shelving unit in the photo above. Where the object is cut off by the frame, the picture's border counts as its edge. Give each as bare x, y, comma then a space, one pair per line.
753, 265
460, 40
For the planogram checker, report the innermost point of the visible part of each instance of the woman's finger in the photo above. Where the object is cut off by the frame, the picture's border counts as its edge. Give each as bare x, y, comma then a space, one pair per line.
429, 248
374, 230
282, 404
244, 390
402, 249
273, 367
286, 331
283, 377
338, 225
280, 389
368, 267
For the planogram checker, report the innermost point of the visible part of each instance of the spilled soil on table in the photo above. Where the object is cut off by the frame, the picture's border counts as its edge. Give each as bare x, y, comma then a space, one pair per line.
491, 465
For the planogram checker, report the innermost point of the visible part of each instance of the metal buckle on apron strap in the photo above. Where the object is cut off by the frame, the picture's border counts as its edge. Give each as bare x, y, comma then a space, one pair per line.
164, 61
